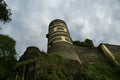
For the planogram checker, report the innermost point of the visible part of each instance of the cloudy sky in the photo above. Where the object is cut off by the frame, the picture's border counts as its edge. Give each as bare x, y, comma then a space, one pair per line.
98, 20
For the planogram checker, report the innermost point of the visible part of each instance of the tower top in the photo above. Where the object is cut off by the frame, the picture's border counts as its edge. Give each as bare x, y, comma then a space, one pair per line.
57, 21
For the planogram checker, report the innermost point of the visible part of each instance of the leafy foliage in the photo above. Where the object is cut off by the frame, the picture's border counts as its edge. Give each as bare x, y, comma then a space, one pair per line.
7, 46
86, 43
37, 65
101, 72
50, 67
7, 68
54, 67
4, 12
7, 58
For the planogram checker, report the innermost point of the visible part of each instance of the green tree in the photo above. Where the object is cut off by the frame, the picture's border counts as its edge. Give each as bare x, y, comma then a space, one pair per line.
7, 46
7, 58
86, 43
4, 12
89, 43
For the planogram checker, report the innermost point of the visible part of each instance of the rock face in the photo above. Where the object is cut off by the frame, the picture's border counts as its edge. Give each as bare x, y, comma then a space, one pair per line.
59, 40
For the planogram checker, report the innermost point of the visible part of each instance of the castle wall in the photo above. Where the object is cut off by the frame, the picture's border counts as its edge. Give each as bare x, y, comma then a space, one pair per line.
108, 53
90, 55
115, 52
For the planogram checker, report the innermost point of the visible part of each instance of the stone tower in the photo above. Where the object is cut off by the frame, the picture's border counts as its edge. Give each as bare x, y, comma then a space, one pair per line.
59, 40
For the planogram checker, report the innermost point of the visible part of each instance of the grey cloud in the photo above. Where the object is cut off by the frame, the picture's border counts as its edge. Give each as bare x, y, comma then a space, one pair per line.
94, 19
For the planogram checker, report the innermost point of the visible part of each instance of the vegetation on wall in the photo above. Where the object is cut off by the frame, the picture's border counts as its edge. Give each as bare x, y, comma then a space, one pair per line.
37, 65
86, 43
100, 72
54, 67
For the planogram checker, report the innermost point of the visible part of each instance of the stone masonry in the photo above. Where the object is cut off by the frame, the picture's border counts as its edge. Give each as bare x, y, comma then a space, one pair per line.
59, 40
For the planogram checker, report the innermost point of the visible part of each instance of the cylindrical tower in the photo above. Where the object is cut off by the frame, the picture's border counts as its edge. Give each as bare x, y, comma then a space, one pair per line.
59, 40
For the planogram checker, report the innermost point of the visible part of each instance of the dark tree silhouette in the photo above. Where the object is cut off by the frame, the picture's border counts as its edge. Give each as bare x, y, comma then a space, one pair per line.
5, 13
86, 43
7, 58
